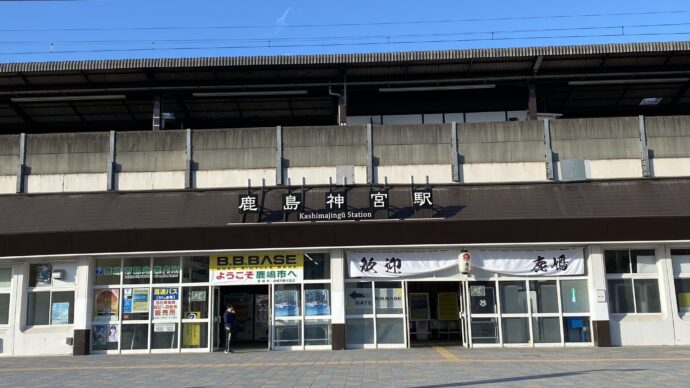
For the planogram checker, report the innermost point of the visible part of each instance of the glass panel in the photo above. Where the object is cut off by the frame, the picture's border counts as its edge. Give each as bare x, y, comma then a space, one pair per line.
620, 296
5, 277
164, 335
515, 330
166, 269
317, 266
194, 302
359, 331
195, 335
643, 261
4, 308
576, 329
106, 305
681, 263
107, 272
38, 310
137, 270
135, 304
617, 261
40, 275
195, 269
574, 296
647, 296
482, 298
317, 332
317, 299
287, 333
390, 331
513, 297
62, 308
484, 331
543, 296
105, 337
358, 299
287, 300
135, 336
683, 295
388, 297
546, 330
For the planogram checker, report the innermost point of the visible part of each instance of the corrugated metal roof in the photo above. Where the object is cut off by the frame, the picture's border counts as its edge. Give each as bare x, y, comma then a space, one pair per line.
332, 59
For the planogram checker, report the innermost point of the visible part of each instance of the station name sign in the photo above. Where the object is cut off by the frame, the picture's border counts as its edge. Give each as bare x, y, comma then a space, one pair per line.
334, 206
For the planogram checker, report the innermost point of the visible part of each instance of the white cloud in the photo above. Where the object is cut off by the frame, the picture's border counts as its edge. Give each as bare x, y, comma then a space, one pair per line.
282, 20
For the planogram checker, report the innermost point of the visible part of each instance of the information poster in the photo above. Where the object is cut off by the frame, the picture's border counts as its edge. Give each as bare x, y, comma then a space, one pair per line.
106, 305
448, 306
135, 300
191, 334
166, 303
286, 303
316, 302
43, 274
113, 335
100, 335
257, 268
59, 313
419, 306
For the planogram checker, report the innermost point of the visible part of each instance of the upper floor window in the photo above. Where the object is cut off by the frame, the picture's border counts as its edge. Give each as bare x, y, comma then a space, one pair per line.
51, 294
632, 280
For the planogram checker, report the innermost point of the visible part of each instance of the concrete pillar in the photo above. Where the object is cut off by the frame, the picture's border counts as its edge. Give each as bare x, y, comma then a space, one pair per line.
532, 102
598, 296
158, 122
338, 299
83, 307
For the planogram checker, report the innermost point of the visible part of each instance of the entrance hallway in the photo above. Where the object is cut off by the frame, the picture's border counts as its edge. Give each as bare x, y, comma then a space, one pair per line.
417, 367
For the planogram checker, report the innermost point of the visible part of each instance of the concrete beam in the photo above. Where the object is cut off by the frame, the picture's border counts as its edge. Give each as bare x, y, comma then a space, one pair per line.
644, 149
548, 151
112, 168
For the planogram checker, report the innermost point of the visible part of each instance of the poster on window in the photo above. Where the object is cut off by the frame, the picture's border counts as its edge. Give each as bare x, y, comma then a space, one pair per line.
286, 303
316, 302
388, 264
106, 305
135, 300
448, 306
419, 306
59, 313
100, 335
166, 304
257, 268
553, 262
44, 274
113, 335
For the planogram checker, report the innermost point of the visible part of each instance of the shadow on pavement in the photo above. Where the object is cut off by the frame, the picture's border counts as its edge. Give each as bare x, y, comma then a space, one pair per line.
524, 378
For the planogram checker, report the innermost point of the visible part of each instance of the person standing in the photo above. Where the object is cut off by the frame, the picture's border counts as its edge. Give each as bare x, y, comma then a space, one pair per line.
230, 320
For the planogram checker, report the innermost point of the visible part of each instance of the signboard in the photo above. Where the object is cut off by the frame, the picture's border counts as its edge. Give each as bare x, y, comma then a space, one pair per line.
419, 306
191, 334
107, 305
166, 304
448, 306
135, 300
359, 301
399, 264
164, 327
555, 262
257, 268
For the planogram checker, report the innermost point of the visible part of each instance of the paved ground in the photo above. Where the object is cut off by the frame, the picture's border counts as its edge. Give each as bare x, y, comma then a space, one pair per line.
428, 367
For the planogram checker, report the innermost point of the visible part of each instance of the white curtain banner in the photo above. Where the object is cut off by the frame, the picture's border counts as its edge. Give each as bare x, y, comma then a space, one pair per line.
399, 264
554, 262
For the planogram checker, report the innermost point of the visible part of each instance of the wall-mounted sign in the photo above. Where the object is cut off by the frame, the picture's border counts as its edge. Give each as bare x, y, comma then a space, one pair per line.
249, 203
423, 199
399, 264
554, 262
292, 202
378, 200
257, 268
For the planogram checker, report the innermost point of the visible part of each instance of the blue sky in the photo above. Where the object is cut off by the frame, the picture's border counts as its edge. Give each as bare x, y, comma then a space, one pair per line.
105, 29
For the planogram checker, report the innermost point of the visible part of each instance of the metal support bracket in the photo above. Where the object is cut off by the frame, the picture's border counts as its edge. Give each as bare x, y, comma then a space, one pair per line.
189, 162
112, 167
21, 166
454, 151
548, 151
644, 150
279, 155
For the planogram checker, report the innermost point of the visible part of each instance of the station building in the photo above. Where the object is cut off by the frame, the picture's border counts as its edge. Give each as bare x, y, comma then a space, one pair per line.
485, 198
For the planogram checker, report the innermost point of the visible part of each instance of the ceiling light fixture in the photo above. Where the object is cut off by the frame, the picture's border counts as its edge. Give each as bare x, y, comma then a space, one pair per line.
628, 81
436, 88
69, 98
250, 94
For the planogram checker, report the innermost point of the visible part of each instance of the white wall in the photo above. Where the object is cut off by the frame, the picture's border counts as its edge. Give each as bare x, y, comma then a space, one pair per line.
8, 184
503, 172
615, 168
665, 167
233, 178
158, 180
437, 173
55, 183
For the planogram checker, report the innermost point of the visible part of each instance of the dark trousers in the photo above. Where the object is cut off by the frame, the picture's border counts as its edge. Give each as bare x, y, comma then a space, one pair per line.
228, 339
